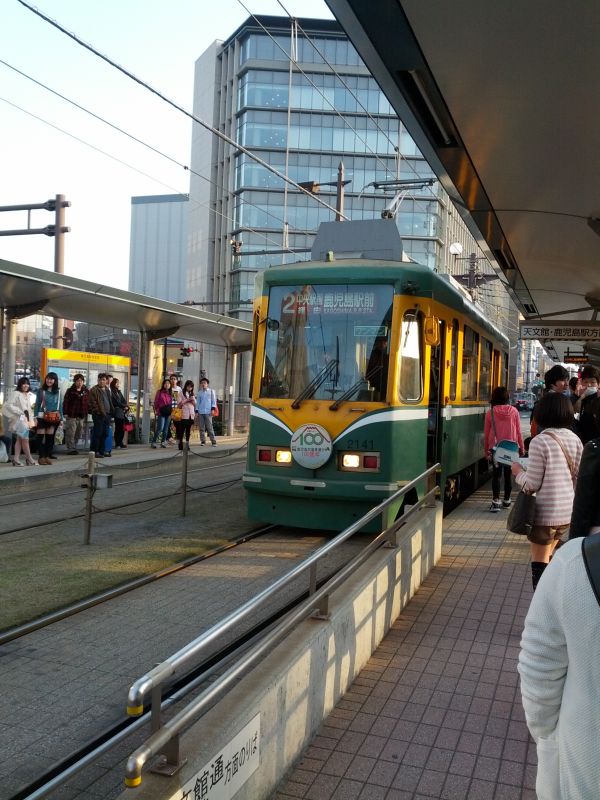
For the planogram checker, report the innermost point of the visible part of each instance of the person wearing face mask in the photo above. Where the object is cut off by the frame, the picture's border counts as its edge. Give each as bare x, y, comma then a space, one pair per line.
588, 405
556, 379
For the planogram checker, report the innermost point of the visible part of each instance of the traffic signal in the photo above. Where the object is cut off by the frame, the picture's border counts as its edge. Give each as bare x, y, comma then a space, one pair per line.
186, 351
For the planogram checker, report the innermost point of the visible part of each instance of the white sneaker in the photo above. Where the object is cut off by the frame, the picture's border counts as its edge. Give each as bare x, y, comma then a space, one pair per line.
496, 506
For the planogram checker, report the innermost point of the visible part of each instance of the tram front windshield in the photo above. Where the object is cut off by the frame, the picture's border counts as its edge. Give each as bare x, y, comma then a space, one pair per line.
327, 342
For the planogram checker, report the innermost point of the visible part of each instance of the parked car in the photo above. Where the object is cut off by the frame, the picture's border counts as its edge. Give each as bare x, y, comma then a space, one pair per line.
523, 401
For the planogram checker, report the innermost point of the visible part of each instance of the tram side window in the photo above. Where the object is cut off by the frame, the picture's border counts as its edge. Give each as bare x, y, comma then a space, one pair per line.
485, 370
469, 364
453, 359
411, 383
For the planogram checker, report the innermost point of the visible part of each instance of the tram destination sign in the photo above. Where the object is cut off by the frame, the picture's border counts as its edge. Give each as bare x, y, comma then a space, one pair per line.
564, 330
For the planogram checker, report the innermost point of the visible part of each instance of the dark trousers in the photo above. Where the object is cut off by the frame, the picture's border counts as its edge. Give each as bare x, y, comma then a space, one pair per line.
496, 474
184, 426
119, 432
99, 432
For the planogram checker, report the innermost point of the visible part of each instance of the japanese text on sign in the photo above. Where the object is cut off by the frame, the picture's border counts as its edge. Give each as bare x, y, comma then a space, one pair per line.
577, 331
334, 302
224, 774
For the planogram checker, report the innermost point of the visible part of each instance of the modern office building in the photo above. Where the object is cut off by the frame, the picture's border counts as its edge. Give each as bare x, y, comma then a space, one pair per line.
157, 250
303, 116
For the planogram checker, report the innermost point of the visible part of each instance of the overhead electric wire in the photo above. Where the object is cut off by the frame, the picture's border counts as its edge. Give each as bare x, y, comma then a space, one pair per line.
314, 85
150, 147
176, 106
348, 88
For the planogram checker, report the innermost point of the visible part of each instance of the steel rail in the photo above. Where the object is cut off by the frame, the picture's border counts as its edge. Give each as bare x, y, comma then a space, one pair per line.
171, 729
69, 611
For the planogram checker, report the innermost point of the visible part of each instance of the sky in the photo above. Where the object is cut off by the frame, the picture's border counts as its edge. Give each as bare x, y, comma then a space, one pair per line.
156, 41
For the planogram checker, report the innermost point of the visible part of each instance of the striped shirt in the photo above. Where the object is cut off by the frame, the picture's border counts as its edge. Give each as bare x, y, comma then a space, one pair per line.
548, 475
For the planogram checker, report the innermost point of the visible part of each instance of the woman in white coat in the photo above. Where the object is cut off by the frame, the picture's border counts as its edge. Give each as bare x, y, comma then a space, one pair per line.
19, 414
560, 679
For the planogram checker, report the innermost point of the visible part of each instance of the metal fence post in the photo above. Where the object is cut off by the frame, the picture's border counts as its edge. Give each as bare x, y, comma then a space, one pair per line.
184, 474
88, 498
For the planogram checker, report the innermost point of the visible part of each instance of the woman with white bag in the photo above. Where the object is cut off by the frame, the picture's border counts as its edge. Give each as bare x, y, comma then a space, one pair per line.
19, 414
502, 424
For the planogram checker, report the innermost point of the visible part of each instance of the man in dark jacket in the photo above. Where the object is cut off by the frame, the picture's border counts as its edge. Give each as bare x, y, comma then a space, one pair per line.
585, 518
75, 410
588, 405
101, 409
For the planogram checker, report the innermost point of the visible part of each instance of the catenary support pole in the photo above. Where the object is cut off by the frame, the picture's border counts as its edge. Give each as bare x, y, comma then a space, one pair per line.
232, 391
59, 261
89, 496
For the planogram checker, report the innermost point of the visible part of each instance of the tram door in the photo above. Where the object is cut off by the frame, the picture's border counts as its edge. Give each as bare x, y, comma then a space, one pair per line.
436, 387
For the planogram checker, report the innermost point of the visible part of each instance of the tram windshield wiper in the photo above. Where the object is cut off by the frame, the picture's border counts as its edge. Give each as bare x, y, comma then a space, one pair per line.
319, 378
349, 392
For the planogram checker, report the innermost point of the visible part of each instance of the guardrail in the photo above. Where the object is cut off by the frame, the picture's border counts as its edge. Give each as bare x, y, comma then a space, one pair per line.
164, 739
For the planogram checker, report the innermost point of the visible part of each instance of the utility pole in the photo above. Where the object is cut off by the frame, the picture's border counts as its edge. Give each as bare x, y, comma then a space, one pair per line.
59, 260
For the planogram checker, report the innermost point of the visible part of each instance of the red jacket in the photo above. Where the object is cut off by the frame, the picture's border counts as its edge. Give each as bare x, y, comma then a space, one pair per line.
508, 426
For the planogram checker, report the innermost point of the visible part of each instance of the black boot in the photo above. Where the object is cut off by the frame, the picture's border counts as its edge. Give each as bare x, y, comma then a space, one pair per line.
537, 568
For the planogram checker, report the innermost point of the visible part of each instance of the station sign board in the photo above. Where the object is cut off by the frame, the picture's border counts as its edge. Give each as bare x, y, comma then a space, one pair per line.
563, 330
579, 359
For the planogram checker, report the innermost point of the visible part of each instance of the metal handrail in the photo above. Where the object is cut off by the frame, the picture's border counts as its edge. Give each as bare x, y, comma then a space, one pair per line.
152, 681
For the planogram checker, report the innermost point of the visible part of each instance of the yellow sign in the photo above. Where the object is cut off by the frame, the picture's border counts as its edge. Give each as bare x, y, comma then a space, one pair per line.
54, 354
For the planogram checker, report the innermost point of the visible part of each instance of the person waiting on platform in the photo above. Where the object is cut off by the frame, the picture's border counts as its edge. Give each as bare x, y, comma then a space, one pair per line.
19, 415
121, 408
101, 409
558, 665
175, 386
48, 413
552, 470
502, 422
588, 405
75, 410
162, 409
187, 404
206, 405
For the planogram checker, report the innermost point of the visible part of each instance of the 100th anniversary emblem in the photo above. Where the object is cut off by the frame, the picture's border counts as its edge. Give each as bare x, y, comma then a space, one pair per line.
311, 446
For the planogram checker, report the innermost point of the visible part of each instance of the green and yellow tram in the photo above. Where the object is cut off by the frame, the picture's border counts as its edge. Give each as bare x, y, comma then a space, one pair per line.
366, 370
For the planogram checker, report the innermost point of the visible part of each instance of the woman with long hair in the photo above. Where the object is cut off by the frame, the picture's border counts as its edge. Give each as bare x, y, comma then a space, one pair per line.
552, 469
187, 404
502, 422
48, 412
162, 410
19, 414
121, 408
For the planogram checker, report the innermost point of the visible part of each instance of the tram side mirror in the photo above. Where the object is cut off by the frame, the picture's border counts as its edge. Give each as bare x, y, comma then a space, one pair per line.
272, 324
432, 331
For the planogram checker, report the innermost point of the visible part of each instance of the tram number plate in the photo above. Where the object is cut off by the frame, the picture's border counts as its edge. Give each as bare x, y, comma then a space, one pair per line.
357, 444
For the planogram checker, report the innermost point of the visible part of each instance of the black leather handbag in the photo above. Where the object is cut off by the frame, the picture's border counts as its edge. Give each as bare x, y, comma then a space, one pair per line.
522, 514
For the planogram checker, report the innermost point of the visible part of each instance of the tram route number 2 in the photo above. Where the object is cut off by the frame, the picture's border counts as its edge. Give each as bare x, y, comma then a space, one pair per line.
357, 444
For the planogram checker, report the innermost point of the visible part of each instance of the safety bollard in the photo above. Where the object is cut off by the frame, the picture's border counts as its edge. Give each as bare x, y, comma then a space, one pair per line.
184, 474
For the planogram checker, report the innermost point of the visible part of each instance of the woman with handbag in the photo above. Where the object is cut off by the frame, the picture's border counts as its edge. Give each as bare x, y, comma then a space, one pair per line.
121, 408
48, 413
187, 409
502, 423
19, 415
552, 469
162, 410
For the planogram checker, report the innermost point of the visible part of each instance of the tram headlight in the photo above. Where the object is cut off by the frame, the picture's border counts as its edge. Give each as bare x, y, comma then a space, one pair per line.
351, 461
283, 456
359, 462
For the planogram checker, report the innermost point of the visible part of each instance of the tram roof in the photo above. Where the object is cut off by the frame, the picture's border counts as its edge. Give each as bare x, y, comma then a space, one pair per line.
500, 99
27, 290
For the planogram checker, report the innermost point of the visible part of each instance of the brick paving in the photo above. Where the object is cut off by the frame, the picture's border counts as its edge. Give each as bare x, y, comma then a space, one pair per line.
436, 712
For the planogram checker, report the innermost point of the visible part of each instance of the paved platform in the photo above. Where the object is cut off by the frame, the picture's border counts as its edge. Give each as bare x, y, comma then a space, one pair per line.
436, 713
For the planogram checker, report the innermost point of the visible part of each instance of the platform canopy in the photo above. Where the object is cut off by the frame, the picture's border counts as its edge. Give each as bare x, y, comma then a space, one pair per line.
501, 99
27, 290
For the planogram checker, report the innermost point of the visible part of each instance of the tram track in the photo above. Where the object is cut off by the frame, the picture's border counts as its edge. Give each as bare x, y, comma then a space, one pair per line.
194, 680
19, 631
